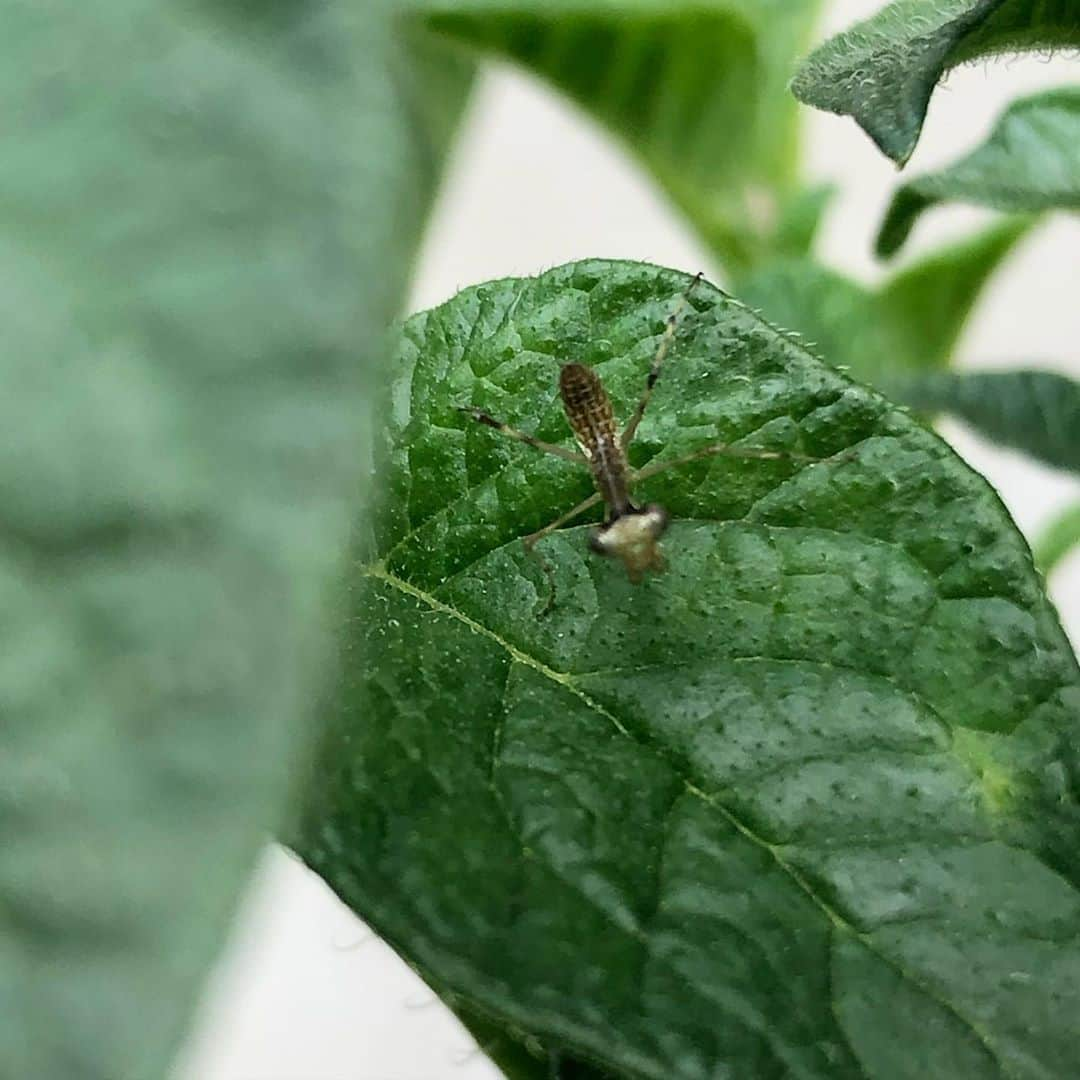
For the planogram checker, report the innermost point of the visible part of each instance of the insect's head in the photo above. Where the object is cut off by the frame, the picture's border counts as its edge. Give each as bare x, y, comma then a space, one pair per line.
634, 537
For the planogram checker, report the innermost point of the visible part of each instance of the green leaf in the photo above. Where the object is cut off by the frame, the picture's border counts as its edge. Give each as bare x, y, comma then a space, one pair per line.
926, 305
797, 230
519, 1055
207, 216
1030, 162
910, 323
1034, 411
806, 804
513, 1058
1058, 539
697, 90
883, 70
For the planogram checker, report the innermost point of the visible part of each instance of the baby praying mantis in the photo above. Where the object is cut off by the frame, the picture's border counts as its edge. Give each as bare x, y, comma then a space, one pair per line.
630, 533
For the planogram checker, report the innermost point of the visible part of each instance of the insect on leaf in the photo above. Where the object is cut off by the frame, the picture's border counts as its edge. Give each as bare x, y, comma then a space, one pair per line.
805, 804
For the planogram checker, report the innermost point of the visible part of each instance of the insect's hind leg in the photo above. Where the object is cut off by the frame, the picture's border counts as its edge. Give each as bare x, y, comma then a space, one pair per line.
487, 419
666, 341
754, 453
533, 539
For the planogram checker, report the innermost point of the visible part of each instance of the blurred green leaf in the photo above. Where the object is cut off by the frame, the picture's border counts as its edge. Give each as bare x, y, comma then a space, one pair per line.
909, 323
883, 70
1034, 411
926, 304
797, 229
806, 804
1030, 162
696, 90
1060, 537
207, 217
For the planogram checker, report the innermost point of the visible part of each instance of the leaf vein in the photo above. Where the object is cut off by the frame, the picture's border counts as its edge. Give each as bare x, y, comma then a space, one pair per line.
774, 851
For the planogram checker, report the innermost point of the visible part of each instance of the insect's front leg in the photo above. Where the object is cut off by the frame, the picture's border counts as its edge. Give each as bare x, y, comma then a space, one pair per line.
488, 420
666, 341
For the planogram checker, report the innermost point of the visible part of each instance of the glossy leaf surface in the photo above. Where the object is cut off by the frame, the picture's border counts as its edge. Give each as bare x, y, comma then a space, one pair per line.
806, 804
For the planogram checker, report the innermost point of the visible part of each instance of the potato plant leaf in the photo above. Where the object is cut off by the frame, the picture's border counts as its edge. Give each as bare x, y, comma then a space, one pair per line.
1034, 411
882, 71
696, 90
198, 252
805, 804
1030, 162
910, 323
521, 1056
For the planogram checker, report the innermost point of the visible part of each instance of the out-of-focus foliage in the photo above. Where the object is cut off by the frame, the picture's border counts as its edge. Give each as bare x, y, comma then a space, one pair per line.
1034, 411
1058, 538
910, 323
1030, 162
199, 249
696, 90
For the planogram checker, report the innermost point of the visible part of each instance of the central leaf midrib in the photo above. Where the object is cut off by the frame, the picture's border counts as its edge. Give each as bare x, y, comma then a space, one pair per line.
379, 572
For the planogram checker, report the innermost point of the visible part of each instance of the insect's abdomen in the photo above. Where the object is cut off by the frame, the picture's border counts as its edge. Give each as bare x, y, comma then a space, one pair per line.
588, 409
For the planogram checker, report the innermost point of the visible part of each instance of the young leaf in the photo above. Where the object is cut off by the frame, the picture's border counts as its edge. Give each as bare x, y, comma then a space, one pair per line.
883, 70
910, 323
1058, 539
806, 804
1030, 162
696, 90
1035, 411
206, 212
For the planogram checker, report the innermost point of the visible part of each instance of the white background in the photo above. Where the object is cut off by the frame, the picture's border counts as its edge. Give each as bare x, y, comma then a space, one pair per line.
304, 991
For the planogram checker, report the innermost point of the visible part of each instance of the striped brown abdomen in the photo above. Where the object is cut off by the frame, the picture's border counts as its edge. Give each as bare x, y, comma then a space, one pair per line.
588, 409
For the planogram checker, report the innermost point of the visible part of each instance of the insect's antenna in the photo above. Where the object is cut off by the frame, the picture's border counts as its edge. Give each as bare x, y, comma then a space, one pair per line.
662, 350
